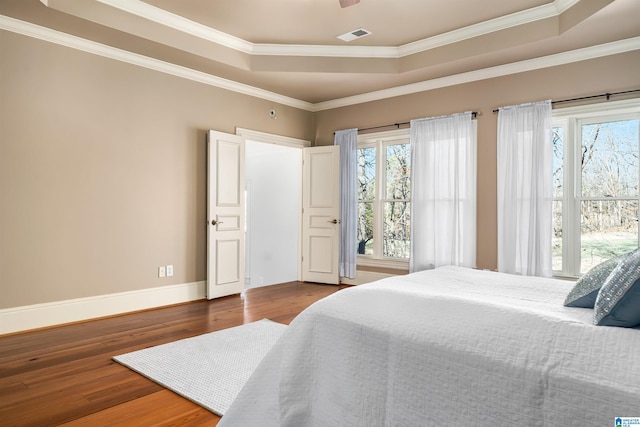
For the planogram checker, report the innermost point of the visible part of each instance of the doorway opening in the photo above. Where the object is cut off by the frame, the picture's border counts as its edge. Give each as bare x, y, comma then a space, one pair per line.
273, 206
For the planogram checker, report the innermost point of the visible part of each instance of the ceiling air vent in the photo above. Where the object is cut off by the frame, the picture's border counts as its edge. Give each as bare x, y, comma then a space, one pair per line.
355, 34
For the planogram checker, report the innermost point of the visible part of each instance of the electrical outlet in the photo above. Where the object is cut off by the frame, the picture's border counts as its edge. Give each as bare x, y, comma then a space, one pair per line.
169, 270
161, 271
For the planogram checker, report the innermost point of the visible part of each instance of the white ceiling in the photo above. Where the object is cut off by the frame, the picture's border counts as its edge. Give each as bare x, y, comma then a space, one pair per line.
288, 49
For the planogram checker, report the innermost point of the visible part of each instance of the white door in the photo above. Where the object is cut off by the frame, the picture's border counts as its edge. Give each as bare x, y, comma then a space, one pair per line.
225, 214
321, 214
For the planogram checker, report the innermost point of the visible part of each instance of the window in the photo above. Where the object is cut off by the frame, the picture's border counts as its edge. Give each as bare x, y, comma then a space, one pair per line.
596, 176
384, 195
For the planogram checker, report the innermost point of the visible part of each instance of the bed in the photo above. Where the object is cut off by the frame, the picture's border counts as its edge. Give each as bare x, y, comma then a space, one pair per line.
442, 347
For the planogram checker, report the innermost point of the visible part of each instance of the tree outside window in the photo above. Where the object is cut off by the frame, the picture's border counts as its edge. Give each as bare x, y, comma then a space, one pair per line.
384, 174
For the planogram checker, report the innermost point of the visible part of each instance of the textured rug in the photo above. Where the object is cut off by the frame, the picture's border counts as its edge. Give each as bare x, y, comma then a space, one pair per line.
208, 369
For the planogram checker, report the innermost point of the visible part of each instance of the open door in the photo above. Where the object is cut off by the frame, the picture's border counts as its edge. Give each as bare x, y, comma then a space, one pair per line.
321, 214
225, 214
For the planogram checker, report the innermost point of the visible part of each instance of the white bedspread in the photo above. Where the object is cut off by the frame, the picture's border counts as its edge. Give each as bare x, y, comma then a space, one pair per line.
450, 346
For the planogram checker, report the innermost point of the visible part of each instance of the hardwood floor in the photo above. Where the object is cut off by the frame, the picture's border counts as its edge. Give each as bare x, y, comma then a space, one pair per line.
65, 375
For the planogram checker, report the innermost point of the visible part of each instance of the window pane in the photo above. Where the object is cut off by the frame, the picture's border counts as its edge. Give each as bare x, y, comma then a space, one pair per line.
365, 228
398, 172
558, 161
366, 173
608, 228
610, 159
396, 229
556, 240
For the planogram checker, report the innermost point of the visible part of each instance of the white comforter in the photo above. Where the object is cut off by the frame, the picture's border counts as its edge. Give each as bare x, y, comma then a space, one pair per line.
450, 346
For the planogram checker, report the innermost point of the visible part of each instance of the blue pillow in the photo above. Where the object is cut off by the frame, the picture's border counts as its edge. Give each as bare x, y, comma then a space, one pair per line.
618, 302
586, 289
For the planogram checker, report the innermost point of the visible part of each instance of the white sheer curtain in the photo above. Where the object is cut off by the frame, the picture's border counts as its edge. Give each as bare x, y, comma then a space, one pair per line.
525, 189
443, 192
348, 142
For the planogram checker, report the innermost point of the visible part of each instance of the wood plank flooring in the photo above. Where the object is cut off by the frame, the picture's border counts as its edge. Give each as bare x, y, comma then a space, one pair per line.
65, 375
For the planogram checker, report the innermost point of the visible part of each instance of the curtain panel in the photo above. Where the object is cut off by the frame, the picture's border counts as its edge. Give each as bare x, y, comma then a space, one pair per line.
348, 142
443, 192
525, 191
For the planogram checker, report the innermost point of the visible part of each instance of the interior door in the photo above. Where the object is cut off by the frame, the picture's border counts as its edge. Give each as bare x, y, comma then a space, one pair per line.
321, 214
225, 214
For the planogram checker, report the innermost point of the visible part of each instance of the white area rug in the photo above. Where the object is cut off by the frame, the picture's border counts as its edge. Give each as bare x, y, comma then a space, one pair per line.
208, 369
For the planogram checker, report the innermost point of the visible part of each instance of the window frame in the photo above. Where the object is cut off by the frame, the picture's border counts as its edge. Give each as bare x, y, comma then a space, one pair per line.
571, 119
379, 141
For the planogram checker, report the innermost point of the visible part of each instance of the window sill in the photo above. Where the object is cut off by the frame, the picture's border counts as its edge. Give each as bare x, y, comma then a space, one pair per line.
394, 264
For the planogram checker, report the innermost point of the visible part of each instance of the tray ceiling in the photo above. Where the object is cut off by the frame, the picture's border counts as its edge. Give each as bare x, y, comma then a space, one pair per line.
290, 48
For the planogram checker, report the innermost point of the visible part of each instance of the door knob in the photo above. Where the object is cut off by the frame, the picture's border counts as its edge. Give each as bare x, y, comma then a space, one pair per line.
335, 221
214, 222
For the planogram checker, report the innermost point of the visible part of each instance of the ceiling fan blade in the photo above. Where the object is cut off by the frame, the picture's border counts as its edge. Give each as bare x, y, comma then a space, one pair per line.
347, 3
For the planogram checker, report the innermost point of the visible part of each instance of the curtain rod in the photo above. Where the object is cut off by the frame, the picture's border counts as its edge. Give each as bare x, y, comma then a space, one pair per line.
474, 114
607, 95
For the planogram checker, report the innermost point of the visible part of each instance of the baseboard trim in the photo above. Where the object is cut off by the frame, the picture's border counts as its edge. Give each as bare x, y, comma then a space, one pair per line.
24, 318
363, 276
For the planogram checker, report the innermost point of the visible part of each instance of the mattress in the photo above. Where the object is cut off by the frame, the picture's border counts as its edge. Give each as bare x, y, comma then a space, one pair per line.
443, 346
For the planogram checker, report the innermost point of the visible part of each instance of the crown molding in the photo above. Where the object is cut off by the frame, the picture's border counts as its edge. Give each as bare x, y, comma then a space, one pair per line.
78, 43
326, 51
562, 58
177, 22
497, 24
57, 37
163, 17
563, 5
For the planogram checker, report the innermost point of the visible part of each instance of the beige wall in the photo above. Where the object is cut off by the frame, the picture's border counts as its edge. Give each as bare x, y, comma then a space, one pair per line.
609, 74
103, 164
103, 171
